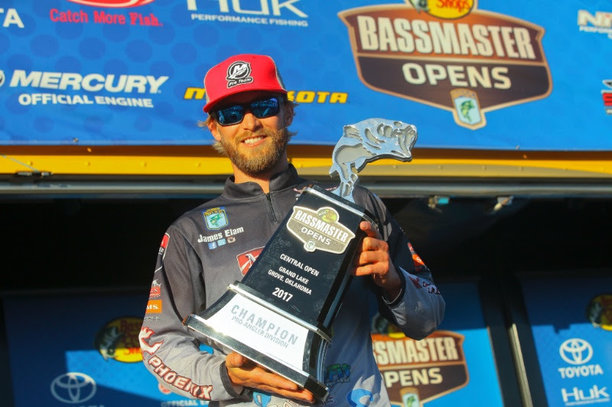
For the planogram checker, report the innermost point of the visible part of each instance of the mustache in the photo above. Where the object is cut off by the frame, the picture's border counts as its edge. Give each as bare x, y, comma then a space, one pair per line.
264, 132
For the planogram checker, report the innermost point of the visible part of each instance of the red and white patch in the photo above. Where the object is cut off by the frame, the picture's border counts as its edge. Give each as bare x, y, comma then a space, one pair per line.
143, 338
164, 244
246, 259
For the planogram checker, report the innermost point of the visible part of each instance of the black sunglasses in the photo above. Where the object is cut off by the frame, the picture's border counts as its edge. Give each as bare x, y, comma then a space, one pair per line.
234, 114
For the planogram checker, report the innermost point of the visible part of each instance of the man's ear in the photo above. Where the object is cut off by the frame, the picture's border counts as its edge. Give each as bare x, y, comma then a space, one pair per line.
212, 127
288, 114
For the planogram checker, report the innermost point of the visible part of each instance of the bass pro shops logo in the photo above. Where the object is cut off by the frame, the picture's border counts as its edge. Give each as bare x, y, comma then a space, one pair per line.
113, 3
449, 55
118, 340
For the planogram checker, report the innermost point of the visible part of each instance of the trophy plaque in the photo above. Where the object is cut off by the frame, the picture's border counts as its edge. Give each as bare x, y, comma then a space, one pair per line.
280, 314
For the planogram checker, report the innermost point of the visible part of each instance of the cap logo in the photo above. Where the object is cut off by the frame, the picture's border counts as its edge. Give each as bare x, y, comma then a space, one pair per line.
238, 73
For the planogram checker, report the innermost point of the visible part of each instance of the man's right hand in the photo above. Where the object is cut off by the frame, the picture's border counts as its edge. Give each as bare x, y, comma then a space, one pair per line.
246, 373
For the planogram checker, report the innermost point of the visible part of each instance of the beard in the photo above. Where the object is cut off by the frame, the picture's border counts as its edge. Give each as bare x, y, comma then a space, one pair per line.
259, 160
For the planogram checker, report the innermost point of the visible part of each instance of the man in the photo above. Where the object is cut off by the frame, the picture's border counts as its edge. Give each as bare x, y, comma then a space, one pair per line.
213, 245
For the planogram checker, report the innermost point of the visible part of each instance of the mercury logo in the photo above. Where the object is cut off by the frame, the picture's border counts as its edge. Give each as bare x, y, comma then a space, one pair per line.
91, 82
238, 73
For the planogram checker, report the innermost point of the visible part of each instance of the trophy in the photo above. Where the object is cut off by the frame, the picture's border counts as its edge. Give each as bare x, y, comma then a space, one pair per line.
280, 314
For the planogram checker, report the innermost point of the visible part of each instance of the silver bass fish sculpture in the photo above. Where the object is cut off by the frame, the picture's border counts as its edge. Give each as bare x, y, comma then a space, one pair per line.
366, 141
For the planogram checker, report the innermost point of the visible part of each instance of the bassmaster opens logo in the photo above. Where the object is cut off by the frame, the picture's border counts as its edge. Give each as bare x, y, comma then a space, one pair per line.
416, 372
449, 55
319, 229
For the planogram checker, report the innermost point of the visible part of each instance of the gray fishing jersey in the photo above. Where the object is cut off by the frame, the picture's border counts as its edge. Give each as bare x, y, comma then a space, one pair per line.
214, 245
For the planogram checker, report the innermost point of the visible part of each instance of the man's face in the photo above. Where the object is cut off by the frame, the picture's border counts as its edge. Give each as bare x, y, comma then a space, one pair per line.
255, 146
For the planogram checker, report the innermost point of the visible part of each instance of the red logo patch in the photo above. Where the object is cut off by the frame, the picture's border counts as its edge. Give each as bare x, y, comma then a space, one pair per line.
246, 259
164, 244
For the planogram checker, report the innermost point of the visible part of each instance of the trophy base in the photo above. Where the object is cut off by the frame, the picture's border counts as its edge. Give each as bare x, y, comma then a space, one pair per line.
276, 340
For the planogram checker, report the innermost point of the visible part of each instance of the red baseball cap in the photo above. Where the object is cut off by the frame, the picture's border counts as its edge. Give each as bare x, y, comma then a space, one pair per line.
241, 73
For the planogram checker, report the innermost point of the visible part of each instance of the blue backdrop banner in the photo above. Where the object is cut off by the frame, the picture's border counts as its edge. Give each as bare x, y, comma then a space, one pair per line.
488, 74
572, 338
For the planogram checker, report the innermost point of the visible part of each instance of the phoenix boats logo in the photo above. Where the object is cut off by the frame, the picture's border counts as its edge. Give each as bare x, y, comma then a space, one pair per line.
449, 55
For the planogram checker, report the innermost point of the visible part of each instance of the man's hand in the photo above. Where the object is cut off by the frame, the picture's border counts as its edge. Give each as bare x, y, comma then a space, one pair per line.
373, 259
246, 373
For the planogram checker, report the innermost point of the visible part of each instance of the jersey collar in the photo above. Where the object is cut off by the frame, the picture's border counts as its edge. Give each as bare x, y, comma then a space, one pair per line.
280, 181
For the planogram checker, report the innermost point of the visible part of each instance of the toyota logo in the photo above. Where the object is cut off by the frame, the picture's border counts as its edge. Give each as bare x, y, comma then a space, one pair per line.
73, 388
576, 351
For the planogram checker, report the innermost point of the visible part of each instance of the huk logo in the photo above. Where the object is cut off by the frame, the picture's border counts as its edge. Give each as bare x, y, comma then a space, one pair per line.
267, 7
577, 396
264, 12
449, 55
113, 3
238, 73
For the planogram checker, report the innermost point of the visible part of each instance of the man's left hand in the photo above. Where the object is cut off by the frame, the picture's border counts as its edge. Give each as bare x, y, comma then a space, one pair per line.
373, 259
